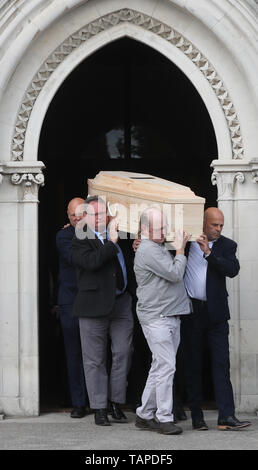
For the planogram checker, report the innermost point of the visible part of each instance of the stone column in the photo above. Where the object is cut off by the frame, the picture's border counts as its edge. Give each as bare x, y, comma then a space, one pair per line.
238, 199
19, 369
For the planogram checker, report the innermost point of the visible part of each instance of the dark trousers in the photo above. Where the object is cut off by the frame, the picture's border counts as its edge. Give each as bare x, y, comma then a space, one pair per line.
194, 328
72, 342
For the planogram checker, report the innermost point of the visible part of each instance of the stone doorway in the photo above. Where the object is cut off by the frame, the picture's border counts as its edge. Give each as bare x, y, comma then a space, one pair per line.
126, 107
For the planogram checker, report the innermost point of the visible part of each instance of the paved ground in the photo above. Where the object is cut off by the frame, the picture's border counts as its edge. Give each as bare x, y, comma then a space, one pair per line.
57, 431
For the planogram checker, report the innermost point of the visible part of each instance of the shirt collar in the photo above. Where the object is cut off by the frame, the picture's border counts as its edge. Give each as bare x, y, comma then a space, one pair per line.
101, 235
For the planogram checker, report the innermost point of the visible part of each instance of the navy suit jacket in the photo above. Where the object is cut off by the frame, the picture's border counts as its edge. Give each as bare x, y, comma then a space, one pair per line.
67, 281
222, 263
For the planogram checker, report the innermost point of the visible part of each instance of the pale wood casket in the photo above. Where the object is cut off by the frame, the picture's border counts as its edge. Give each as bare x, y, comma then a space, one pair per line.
128, 194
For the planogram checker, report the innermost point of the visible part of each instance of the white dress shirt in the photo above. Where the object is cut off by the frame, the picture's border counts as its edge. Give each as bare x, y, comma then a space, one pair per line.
196, 272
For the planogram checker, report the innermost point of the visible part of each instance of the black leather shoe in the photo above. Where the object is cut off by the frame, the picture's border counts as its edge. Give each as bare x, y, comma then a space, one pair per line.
117, 415
147, 424
231, 423
78, 412
101, 418
200, 425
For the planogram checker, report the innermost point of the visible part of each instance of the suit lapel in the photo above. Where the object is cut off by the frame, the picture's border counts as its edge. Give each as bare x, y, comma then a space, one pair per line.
218, 244
214, 248
93, 239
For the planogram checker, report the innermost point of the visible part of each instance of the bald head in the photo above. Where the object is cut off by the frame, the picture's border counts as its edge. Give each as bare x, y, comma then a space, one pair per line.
75, 210
153, 224
213, 212
213, 223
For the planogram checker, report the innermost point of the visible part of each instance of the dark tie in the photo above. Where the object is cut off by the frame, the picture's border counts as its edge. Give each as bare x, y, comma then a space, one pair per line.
119, 275
119, 272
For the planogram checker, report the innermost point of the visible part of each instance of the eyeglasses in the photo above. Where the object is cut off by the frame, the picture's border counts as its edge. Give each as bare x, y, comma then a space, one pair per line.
95, 214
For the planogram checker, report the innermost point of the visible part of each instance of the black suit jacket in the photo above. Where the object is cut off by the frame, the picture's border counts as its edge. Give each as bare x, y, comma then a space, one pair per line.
67, 282
222, 263
96, 275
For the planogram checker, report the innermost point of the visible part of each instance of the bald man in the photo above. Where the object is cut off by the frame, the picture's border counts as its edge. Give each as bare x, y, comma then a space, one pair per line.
211, 259
162, 302
67, 290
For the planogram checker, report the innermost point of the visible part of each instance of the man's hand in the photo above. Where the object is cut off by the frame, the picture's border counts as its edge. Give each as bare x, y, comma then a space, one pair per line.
204, 244
136, 244
113, 230
181, 239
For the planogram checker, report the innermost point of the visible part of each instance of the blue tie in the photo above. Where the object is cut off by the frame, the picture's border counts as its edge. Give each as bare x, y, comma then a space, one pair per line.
120, 283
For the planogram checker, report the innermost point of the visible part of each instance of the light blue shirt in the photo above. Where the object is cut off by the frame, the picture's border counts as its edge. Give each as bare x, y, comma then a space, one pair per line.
196, 272
120, 258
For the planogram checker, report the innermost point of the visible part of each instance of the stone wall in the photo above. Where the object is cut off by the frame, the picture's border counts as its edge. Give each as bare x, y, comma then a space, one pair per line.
215, 44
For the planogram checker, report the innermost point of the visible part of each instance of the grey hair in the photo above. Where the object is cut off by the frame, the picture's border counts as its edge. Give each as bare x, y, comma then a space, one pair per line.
90, 199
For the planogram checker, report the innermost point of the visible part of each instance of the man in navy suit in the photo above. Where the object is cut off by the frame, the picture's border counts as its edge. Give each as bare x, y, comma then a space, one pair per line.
211, 259
67, 291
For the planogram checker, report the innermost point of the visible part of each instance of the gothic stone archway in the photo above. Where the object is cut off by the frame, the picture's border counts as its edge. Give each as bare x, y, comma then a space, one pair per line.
235, 176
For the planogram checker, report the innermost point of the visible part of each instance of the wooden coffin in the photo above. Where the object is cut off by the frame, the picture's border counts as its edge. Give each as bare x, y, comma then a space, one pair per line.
128, 194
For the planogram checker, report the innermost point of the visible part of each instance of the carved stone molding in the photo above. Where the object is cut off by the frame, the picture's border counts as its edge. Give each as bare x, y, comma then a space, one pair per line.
228, 173
102, 24
28, 179
29, 183
255, 176
225, 182
27, 176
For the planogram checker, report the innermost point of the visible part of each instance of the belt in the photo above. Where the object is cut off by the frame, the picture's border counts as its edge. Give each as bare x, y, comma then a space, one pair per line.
201, 302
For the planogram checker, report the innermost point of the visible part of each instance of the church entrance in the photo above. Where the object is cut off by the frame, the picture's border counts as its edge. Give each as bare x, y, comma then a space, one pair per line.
126, 108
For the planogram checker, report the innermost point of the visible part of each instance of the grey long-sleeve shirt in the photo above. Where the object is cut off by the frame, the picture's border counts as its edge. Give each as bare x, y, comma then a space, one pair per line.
159, 276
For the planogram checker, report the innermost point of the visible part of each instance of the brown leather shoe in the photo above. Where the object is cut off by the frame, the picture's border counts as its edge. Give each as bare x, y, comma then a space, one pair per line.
200, 425
231, 423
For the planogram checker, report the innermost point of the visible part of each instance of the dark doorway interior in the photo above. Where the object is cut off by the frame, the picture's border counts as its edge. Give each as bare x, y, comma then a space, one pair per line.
124, 108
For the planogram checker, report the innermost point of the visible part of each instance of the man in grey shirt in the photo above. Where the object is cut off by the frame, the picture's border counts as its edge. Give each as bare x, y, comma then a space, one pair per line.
162, 299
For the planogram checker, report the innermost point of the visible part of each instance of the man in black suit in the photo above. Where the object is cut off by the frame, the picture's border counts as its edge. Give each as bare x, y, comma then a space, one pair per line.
67, 290
211, 259
104, 307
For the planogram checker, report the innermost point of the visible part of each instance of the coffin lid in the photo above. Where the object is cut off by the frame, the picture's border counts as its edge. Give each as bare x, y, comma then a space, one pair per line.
143, 186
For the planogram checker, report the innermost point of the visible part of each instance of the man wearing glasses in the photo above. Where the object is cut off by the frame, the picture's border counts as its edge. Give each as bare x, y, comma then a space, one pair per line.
103, 305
